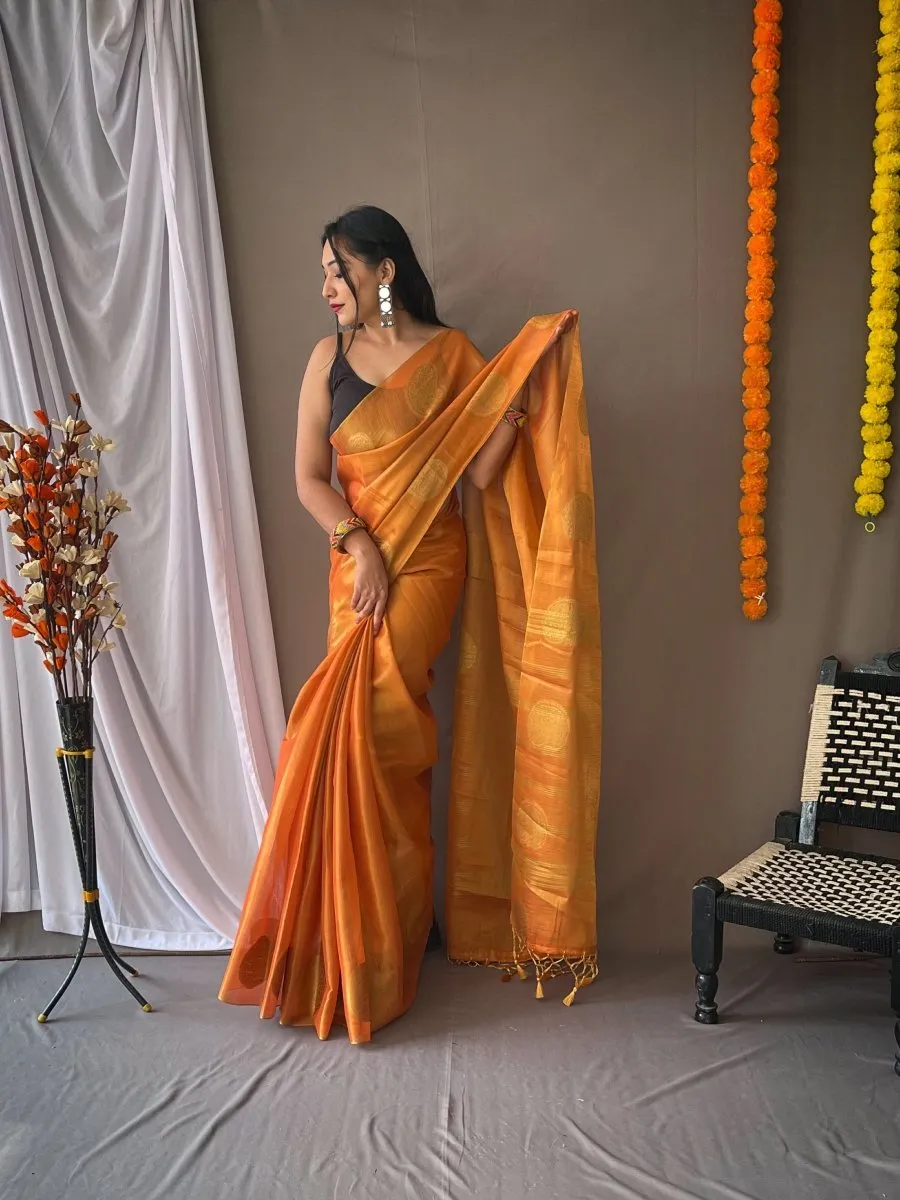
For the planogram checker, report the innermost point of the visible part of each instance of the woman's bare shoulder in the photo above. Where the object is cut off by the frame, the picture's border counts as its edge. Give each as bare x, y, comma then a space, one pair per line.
324, 350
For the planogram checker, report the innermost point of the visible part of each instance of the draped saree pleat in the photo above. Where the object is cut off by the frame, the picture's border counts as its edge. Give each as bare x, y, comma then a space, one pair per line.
339, 906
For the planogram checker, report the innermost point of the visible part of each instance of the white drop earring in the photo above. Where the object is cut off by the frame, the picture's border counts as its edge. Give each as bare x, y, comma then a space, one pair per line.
386, 305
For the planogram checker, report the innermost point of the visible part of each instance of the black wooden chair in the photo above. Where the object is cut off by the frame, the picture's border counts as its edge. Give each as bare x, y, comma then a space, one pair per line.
792, 886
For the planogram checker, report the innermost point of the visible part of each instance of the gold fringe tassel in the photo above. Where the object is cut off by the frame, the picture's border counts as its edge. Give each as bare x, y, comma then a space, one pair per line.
583, 969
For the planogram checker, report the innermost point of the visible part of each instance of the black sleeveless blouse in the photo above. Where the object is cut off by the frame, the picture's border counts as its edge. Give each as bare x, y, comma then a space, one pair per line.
347, 389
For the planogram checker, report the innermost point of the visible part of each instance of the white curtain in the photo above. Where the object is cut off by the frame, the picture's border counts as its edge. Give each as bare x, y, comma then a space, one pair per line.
112, 284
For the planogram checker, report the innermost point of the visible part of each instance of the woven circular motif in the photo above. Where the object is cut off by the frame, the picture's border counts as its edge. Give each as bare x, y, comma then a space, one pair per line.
530, 826
578, 517
491, 396
430, 481
357, 443
422, 390
254, 965
468, 652
548, 727
559, 624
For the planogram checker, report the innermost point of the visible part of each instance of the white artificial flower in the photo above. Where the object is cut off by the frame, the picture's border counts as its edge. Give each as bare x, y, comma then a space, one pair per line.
34, 593
67, 554
84, 577
89, 504
101, 444
120, 621
105, 645
17, 541
30, 570
89, 469
9, 441
12, 489
90, 556
117, 501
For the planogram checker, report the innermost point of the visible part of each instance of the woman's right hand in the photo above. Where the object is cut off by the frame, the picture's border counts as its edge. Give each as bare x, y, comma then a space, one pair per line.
370, 587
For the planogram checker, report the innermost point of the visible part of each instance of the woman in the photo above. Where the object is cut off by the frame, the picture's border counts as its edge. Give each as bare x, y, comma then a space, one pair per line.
339, 907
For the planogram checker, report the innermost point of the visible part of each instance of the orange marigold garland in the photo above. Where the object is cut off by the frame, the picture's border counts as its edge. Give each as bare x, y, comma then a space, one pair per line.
758, 312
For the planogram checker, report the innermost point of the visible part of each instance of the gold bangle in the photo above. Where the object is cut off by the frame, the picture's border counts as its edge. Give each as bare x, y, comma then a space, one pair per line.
343, 529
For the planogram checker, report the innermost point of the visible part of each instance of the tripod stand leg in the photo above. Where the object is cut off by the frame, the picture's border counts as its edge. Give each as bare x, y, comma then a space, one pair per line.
76, 963
111, 957
107, 947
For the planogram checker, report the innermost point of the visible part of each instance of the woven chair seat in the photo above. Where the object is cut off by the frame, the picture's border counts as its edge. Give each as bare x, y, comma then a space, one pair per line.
855, 887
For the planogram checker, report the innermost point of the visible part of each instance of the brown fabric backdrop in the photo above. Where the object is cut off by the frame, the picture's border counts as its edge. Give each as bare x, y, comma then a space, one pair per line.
593, 153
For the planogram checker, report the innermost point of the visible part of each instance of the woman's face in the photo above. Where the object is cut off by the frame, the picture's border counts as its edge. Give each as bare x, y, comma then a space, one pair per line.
338, 295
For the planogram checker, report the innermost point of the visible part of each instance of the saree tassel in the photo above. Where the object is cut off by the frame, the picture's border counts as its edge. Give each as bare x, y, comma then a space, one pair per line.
571, 996
539, 990
521, 972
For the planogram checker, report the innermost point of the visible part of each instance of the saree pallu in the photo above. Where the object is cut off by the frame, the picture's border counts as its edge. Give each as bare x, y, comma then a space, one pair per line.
340, 903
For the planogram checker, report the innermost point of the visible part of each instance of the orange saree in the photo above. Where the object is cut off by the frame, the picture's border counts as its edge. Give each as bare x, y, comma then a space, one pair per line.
339, 906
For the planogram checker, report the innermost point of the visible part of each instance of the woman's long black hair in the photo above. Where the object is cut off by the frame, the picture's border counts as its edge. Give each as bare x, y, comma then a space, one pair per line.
372, 235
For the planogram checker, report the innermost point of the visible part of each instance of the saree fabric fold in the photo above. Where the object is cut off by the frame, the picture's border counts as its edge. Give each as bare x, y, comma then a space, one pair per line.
340, 903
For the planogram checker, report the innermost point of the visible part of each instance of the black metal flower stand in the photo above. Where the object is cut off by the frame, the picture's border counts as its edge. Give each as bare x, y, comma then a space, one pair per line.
76, 770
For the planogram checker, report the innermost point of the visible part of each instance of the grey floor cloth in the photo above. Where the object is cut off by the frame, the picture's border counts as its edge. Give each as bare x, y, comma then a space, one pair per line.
481, 1091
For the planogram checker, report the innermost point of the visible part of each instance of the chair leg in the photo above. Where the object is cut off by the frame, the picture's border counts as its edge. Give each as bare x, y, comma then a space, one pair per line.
783, 944
895, 991
706, 948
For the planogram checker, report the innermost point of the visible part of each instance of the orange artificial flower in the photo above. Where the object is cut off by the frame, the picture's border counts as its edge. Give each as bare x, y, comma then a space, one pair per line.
750, 524
755, 609
764, 129
768, 12
764, 152
762, 221
757, 331
760, 243
767, 35
766, 62
759, 356
754, 568
758, 310
760, 288
761, 266
761, 198
761, 175
42, 417
755, 462
755, 484
756, 419
753, 546
756, 397
18, 631
757, 439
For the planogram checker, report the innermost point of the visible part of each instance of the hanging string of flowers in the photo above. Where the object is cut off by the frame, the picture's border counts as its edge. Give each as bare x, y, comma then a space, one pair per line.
885, 247
758, 312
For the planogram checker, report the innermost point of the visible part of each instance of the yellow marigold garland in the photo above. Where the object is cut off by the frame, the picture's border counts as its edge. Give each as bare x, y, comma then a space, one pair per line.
758, 312
885, 247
